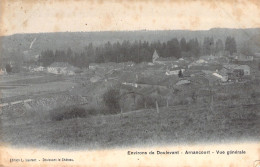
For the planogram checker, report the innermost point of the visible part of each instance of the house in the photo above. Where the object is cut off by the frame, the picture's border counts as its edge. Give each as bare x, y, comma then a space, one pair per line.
163, 60
208, 57
61, 68
103, 66
223, 78
182, 82
174, 71
109, 65
37, 69
93, 66
257, 56
233, 68
216, 74
200, 62
130, 84
236, 72
244, 68
126, 64
242, 57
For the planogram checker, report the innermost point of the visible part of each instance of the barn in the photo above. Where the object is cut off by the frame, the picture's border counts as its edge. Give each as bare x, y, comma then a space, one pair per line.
61, 68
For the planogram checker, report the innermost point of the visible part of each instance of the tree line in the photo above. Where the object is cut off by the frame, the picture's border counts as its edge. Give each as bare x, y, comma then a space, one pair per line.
137, 51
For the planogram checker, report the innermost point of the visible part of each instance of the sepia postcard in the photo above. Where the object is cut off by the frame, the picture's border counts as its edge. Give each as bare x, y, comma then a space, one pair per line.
130, 83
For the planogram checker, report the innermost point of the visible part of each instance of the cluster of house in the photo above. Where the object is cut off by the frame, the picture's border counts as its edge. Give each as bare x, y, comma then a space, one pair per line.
110, 65
103, 70
56, 68
173, 66
222, 68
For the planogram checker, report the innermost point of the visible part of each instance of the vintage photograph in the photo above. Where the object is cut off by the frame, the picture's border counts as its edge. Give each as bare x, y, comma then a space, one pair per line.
123, 88
106, 89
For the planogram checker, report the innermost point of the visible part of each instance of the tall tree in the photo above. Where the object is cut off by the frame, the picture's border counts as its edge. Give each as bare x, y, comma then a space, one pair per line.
183, 45
219, 46
173, 48
46, 58
230, 45
193, 47
246, 50
90, 52
208, 46
108, 53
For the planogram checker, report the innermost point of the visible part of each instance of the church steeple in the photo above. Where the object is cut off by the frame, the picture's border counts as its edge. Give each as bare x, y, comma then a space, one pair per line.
155, 55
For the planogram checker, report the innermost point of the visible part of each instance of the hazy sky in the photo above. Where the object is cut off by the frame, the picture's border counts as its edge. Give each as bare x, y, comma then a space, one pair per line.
31, 16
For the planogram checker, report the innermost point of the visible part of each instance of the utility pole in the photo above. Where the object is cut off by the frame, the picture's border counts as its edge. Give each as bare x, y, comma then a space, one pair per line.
157, 107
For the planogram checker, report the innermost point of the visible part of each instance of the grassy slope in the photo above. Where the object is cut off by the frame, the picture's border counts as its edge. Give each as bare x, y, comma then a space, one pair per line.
180, 124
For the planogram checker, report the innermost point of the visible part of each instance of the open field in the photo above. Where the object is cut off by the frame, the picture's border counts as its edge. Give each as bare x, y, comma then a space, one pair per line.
20, 76
28, 85
182, 124
37, 89
31, 80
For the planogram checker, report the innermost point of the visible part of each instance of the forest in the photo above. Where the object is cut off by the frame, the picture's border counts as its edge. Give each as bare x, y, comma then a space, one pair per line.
138, 51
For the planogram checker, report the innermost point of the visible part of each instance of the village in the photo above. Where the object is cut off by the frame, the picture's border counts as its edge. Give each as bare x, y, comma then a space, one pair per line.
161, 74
222, 88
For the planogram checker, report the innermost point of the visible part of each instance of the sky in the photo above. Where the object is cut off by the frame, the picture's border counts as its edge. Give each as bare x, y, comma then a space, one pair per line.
33, 16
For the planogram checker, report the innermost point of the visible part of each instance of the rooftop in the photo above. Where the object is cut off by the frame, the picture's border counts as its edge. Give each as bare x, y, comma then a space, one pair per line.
166, 59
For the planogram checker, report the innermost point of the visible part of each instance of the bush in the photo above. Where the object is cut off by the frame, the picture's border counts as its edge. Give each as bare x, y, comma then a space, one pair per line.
8, 68
111, 100
63, 113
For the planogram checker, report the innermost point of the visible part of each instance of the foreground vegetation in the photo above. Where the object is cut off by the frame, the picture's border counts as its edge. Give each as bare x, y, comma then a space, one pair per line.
182, 124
